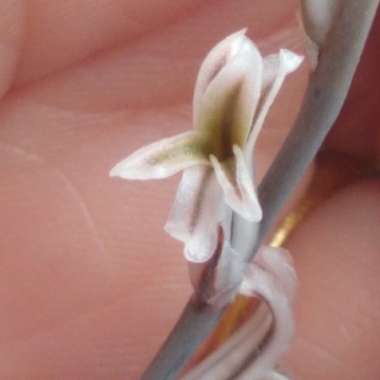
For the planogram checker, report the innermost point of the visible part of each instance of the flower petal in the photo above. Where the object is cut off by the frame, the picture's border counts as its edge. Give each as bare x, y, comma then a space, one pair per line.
279, 262
276, 283
276, 68
196, 212
225, 362
228, 104
237, 184
284, 61
162, 159
182, 218
264, 338
213, 63
318, 16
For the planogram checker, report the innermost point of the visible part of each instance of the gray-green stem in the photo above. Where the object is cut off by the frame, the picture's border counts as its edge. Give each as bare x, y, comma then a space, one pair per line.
327, 90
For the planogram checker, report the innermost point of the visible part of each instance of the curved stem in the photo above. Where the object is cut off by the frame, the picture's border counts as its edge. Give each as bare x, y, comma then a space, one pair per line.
323, 101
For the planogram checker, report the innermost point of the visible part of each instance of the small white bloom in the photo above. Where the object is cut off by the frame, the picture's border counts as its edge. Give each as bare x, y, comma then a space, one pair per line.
317, 19
266, 336
233, 93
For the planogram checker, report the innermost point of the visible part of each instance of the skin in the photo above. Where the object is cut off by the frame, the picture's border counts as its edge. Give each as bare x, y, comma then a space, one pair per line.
89, 283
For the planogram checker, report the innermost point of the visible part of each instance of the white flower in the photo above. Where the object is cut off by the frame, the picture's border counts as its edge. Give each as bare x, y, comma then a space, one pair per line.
317, 19
234, 90
318, 16
266, 336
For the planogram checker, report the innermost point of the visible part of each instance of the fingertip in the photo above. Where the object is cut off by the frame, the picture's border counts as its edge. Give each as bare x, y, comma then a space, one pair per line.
336, 251
12, 25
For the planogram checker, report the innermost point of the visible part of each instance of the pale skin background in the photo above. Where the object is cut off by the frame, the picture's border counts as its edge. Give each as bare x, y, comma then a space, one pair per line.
89, 282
